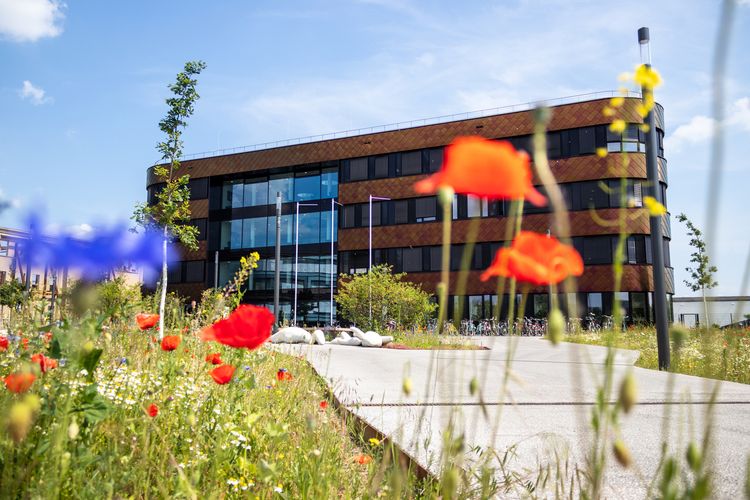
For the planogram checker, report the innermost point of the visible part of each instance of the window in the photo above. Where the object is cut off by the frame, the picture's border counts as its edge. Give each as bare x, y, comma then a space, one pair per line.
307, 186
597, 250
309, 227
201, 225
639, 307
329, 183
194, 271
174, 273
594, 304
348, 216
381, 167
236, 238
198, 188
255, 233
232, 194
476, 207
411, 163
426, 209
2, 277
4, 245
256, 194
586, 140
376, 210
325, 226
541, 305
283, 185
401, 211
412, 260
435, 159
592, 195
475, 307
358, 169
435, 258
553, 145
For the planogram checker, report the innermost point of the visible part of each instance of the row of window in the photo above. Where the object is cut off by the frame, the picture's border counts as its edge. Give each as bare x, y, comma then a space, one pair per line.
637, 307
313, 272
560, 144
593, 249
578, 196
259, 191
188, 271
259, 232
198, 189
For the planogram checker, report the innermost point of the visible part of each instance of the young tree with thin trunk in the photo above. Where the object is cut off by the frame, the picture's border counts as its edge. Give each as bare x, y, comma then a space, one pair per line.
171, 211
702, 275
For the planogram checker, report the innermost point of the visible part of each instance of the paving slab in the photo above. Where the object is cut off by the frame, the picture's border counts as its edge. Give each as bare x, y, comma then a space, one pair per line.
544, 411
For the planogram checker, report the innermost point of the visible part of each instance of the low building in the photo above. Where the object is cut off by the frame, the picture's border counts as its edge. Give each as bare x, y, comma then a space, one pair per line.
722, 311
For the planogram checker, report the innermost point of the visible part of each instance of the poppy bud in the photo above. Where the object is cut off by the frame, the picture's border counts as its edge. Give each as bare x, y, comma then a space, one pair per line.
628, 392
555, 326
19, 421
542, 114
693, 457
445, 195
473, 386
622, 454
73, 430
406, 386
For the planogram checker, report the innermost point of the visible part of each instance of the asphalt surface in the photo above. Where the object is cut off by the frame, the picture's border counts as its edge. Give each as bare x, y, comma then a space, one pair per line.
541, 418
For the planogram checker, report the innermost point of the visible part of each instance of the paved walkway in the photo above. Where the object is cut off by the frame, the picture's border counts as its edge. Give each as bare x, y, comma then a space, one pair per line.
546, 409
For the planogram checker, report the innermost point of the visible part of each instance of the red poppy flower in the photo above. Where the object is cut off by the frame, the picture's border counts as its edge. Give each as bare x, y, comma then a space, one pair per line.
48, 336
170, 342
153, 410
282, 374
248, 326
4, 343
537, 259
222, 374
44, 362
19, 382
25, 343
363, 459
323, 405
214, 359
488, 169
146, 320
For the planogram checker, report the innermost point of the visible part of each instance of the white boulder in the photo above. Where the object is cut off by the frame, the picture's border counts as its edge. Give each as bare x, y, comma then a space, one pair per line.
319, 337
292, 335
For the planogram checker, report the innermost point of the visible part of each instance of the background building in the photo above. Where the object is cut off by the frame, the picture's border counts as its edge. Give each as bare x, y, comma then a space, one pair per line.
233, 196
722, 311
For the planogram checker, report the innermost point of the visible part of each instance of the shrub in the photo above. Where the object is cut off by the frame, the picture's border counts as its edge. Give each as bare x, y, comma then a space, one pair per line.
393, 299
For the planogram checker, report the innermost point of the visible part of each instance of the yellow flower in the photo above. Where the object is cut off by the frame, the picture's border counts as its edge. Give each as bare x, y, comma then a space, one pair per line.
608, 112
601, 152
655, 209
617, 126
647, 77
625, 77
644, 128
616, 102
375, 441
623, 90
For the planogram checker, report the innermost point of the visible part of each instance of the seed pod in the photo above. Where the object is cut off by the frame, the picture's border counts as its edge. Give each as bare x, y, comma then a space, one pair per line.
693, 456
555, 326
19, 421
406, 386
622, 454
445, 195
73, 430
628, 392
473, 386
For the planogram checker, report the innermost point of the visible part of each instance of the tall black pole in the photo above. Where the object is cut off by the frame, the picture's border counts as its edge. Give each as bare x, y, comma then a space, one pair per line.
277, 266
657, 239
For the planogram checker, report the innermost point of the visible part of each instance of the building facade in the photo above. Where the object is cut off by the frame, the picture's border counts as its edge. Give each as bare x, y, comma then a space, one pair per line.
233, 197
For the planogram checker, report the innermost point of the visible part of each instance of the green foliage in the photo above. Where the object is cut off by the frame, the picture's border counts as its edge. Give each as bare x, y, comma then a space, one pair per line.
702, 272
392, 299
235, 290
172, 208
116, 299
11, 293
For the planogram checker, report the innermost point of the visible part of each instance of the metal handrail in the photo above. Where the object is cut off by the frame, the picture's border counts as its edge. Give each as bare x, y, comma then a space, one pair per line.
512, 108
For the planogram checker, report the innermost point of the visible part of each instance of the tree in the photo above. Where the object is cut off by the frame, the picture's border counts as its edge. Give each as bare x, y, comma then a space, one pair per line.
11, 294
702, 274
392, 299
171, 211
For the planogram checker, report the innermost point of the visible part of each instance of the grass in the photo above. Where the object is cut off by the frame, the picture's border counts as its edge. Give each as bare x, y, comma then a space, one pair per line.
427, 340
89, 434
717, 354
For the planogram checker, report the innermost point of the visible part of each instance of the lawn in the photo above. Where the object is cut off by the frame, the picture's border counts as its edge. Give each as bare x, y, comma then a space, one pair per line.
717, 354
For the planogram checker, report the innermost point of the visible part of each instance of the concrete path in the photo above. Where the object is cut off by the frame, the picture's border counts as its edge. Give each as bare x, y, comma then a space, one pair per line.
545, 412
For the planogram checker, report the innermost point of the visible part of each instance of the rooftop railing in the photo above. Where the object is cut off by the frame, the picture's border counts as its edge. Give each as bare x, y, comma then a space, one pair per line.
513, 108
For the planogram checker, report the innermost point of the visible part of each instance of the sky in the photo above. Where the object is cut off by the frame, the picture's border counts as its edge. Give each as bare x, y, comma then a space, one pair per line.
82, 88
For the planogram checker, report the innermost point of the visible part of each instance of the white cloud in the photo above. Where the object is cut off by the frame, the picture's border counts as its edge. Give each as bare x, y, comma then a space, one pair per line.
36, 95
700, 128
30, 20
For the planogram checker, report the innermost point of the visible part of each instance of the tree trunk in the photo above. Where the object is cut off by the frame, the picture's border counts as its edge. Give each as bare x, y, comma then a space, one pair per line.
163, 299
705, 308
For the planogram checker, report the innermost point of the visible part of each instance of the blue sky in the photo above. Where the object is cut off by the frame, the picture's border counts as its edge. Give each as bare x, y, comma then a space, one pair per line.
82, 86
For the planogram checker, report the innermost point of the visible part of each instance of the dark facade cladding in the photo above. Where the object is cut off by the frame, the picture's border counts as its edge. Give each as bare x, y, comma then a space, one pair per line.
233, 205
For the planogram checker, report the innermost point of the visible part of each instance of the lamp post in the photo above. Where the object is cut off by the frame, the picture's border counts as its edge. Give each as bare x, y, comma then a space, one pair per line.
652, 168
369, 261
333, 270
296, 254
